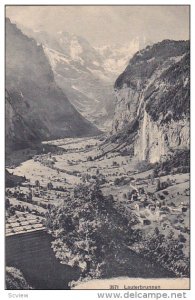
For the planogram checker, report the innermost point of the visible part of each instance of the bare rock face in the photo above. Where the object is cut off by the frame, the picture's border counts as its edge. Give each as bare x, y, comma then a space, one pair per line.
79, 71
155, 140
154, 90
36, 108
19, 133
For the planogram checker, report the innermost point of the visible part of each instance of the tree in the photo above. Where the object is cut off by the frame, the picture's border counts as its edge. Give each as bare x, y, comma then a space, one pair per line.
155, 173
37, 183
158, 187
49, 186
169, 182
30, 196
157, 231
12, 210
124, 196
7, 203
170, 235
129, 194
182, 239
89, 231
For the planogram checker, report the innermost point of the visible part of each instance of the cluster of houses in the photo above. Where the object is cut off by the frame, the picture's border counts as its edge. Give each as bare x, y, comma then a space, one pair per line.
32, 193
45, 159
19, 194
149, 209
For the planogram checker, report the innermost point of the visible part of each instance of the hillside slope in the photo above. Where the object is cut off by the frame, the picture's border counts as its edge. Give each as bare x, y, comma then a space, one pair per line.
79, 71
153, 101
36, 108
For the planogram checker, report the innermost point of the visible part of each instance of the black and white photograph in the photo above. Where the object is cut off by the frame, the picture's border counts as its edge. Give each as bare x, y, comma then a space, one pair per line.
97, 147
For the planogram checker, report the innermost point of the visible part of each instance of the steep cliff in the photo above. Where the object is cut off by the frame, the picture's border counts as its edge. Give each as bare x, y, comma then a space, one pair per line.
154, 93
19, 134
36, 108
80, 72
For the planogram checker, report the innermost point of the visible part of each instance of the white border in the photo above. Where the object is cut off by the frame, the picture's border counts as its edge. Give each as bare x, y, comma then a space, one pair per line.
87, 295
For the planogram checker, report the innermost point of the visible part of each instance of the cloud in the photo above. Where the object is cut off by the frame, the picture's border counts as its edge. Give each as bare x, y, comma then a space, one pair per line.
107, 24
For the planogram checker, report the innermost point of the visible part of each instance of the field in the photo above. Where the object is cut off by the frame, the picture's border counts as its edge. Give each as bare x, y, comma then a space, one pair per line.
158, 204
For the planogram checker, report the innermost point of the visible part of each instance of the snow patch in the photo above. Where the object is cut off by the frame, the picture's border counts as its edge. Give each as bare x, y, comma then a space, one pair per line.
75, 88
55, 56
99, 74
75, 51
96, 63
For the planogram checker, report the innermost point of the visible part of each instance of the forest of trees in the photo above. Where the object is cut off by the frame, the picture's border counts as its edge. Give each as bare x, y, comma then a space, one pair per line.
167, 251
89, 231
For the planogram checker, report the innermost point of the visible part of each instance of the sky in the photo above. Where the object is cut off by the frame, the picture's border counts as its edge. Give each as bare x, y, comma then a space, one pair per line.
106, 25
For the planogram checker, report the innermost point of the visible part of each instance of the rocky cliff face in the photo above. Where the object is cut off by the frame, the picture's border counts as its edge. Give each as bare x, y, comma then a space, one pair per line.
19, 133
80, 72
154, 90
36, 108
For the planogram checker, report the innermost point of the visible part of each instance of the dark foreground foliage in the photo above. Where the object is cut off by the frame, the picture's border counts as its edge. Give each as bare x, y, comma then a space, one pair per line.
15, 280
89, 231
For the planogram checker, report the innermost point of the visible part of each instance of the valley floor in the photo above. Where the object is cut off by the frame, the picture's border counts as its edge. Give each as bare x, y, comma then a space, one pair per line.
51, 177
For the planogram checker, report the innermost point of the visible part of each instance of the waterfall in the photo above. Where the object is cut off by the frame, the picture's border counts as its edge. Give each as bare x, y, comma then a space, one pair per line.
144, 135
140, 103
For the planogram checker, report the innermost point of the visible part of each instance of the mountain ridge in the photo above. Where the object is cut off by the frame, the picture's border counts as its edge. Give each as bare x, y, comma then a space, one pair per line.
153, 94
37, 99
86, 73
78, 71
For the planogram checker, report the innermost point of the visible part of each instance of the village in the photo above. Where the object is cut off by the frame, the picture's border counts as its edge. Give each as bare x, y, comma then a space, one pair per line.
50, 179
